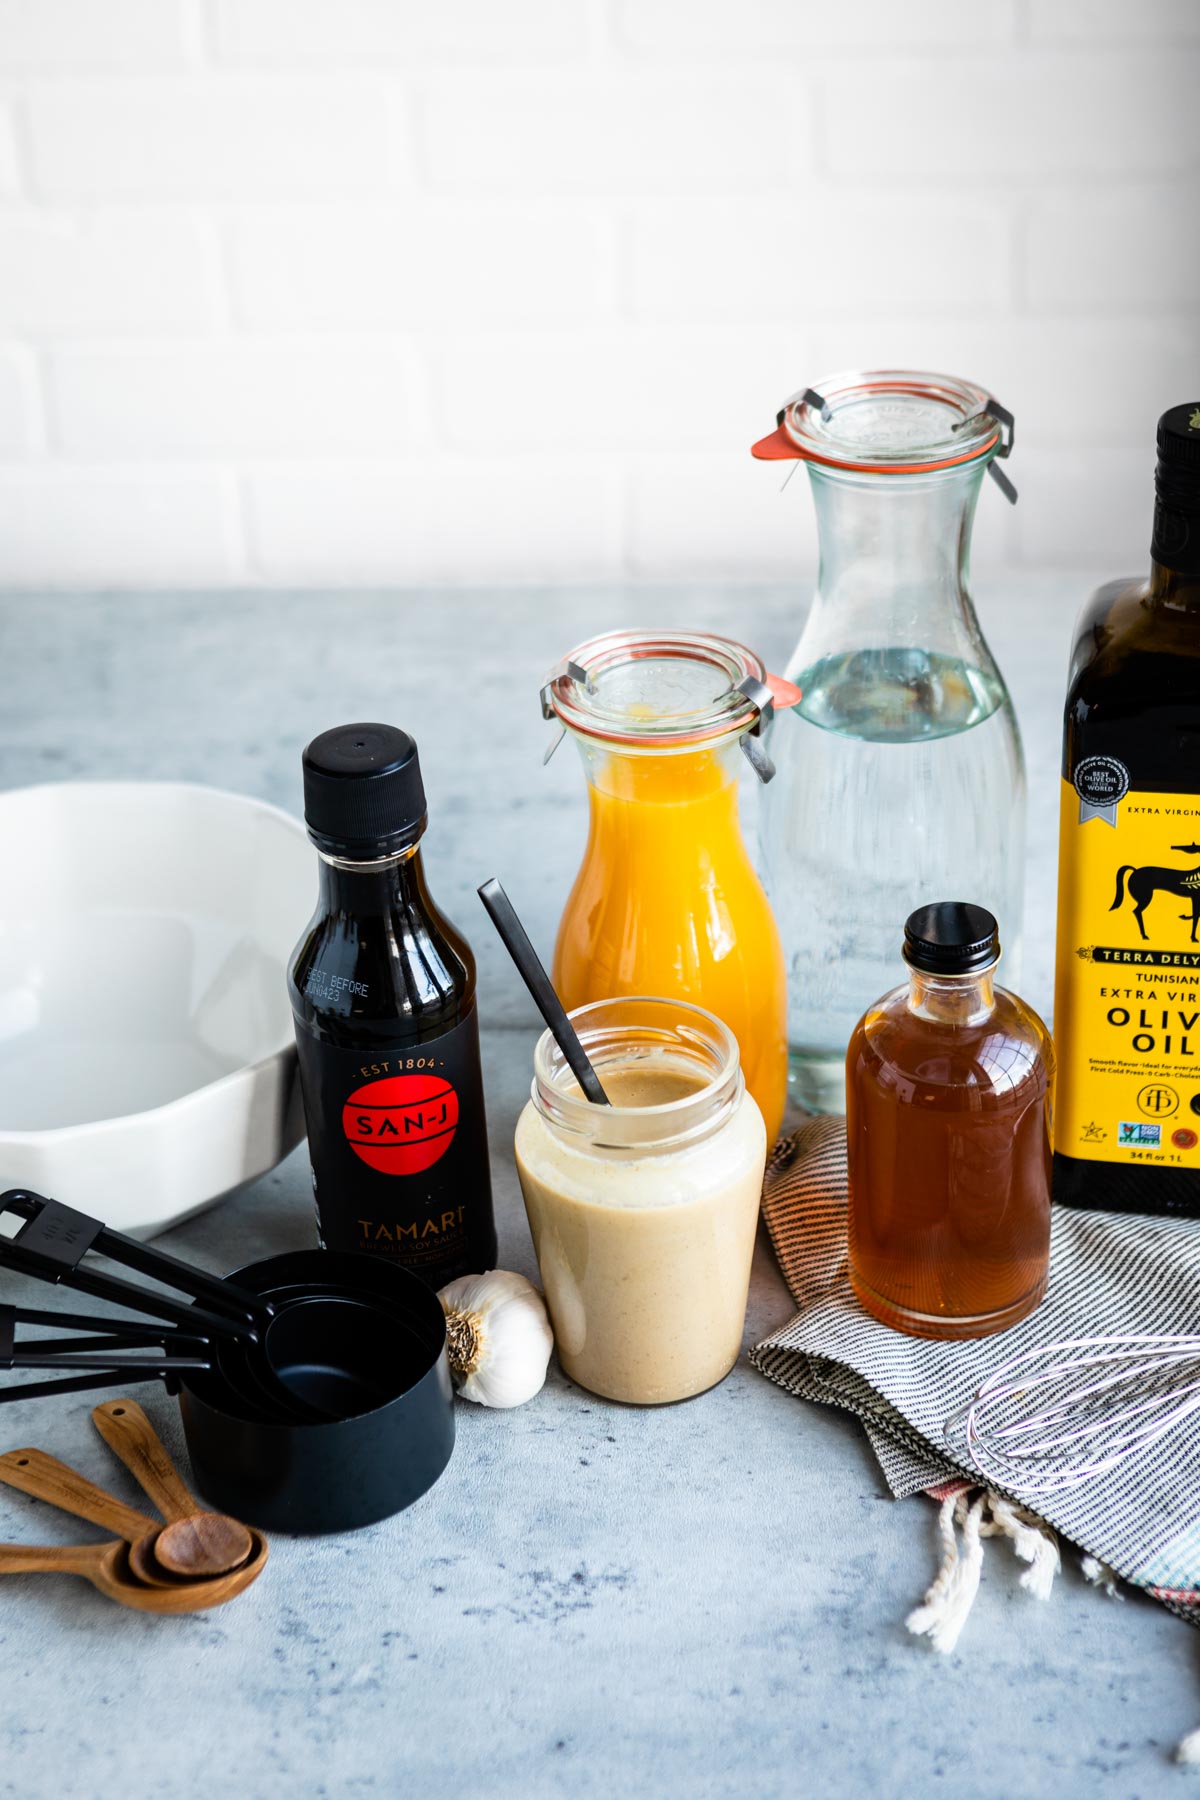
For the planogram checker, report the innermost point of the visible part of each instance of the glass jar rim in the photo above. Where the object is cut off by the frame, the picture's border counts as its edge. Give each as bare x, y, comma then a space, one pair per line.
669, 1027
576, 691
887, 422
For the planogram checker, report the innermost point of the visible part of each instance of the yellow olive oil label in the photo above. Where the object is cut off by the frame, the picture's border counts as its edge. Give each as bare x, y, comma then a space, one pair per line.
1127, 997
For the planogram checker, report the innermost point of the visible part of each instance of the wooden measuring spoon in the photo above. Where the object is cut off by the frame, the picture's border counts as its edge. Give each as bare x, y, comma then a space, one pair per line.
45, 1478
106, 1566
193, 1542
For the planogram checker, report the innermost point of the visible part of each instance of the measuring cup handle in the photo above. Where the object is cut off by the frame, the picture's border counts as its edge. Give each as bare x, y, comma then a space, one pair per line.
33, 1472
129, 1434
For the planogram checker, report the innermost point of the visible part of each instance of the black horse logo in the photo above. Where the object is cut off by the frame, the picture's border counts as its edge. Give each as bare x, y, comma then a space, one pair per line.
1144, 883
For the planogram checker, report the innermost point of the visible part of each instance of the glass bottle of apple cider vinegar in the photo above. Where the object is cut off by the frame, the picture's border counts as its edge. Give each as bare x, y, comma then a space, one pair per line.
1127, 998
948, 1083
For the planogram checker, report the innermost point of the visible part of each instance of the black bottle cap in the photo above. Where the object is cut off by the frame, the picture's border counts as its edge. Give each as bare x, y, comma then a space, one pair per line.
1179, 437
1175, 543
363, 794
951, 937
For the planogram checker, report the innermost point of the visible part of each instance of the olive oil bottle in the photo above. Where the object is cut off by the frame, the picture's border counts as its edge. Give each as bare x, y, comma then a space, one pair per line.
1127, 999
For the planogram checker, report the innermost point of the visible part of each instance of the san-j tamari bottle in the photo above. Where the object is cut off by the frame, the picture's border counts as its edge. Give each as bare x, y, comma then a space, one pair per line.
900, 772
1127, 1000
948, 1085
383, 990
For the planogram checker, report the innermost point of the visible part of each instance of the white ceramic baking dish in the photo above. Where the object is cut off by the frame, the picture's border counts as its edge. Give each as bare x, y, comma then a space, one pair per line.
147, 1063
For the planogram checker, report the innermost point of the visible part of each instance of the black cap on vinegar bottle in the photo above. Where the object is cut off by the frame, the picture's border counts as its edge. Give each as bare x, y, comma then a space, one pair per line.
363, 793
1176, 541
951, 937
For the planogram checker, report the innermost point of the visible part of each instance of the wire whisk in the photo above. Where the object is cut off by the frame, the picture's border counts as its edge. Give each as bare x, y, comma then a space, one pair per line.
1097, 1401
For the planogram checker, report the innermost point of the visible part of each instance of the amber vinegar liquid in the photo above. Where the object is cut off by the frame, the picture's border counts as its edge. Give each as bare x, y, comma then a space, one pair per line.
948, 1140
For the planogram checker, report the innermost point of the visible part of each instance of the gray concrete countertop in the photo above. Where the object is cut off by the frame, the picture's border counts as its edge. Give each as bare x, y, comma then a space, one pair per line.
595, 1600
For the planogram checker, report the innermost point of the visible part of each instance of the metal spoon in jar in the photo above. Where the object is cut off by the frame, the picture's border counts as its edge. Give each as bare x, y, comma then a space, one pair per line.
515, 938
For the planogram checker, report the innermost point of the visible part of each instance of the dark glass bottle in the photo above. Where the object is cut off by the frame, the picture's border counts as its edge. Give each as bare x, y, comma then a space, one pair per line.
383, 991
1127, 1000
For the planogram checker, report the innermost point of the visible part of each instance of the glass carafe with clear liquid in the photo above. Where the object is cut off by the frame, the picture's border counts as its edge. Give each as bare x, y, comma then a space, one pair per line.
900, 773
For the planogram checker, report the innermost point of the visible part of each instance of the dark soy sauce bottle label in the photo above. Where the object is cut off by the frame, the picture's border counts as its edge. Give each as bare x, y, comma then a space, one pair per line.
398, 1145
383, 991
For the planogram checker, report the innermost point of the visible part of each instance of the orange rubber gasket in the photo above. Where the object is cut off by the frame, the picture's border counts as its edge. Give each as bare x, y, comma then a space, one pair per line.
792, 450
784, 693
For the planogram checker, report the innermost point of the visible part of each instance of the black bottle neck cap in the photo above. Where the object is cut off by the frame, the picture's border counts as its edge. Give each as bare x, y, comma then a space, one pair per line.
1176, 541
951, 937
363, 794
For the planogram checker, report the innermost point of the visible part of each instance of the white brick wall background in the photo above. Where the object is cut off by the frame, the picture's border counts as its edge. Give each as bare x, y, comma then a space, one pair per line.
389, 290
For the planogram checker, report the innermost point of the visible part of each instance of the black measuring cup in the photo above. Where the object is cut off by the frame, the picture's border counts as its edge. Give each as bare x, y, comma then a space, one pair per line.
314, 1386
376, 1362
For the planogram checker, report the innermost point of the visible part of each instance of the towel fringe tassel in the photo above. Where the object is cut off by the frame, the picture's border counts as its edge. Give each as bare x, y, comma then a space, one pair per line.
951, 1595
1101, 1576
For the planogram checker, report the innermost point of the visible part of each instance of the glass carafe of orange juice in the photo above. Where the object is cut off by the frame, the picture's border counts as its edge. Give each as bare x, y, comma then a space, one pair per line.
666, 901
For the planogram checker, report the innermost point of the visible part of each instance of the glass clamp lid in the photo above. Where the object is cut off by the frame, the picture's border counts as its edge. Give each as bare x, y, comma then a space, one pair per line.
665, 691
893, 422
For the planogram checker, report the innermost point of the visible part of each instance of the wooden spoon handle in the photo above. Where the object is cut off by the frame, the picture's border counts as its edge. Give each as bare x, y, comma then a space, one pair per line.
33, 1472
130, 1435
52, 1559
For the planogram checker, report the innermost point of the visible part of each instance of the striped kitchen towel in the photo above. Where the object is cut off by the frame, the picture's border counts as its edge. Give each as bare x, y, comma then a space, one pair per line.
1109, 1272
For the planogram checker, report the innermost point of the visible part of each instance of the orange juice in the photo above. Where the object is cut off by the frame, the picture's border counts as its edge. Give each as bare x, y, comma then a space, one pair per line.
666, 901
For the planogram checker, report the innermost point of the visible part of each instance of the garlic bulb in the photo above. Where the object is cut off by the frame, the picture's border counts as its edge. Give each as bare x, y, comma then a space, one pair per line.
499, 1337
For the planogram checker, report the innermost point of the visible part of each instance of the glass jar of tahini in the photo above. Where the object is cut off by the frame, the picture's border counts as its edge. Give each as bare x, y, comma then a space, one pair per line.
643, 1212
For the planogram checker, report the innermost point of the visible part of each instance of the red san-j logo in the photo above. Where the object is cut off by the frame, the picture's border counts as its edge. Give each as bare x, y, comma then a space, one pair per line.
402, 1124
